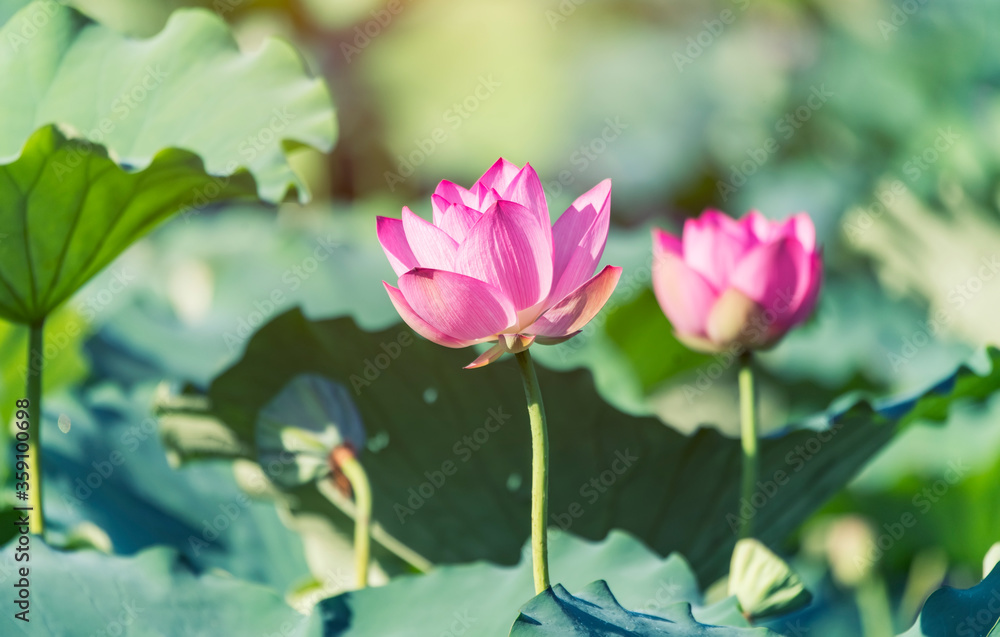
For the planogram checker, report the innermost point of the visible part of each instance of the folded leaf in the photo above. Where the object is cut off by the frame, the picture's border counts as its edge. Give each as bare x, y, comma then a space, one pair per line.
763, 583
595, 611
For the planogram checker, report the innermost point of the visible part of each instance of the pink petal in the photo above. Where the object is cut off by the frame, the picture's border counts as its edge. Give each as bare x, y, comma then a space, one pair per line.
714, 244
463, 308
431, 245
509, 250
807, 301
555, 340
453, 193
419, 325
578, 307
526, 189
438, 207
685, 296
394, 244
723, 222
579, 237
770, 274
666, 242
512, 343
487, 197
801, 227
489, 356
455, 219
762, 228
499, 176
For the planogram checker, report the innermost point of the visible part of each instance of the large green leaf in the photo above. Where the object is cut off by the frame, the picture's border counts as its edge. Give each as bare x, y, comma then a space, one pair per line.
151, 594
70, 206
950, 612
961, 460
483, 598
454, 499
66, 227
188, 87
594, 612
109, 469
9, 8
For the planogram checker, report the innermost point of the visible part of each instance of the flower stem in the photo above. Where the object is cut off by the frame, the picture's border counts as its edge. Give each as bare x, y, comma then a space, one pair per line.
36, 521
356, 475
748, 437
539, 472
873, 608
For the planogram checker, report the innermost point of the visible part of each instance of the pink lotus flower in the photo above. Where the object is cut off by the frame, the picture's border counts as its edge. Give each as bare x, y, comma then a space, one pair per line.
492, 267
739, 283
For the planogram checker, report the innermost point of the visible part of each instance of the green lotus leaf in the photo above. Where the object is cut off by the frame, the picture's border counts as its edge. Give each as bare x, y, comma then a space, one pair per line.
448, 450
595, 611
950, 612
307, 420
66, 227
145, 128
188, 87
152, 593
482, 599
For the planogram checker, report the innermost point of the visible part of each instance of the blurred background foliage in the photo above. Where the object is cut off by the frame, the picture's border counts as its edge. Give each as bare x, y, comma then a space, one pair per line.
881, 119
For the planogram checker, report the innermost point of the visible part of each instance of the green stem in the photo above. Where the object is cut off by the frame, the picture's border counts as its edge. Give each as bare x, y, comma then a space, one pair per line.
873, 607
416, 561
36, 521
355, 473
748, 437
379, 535
539, 472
